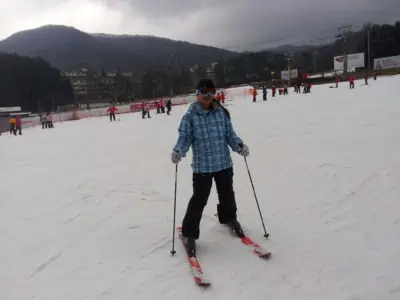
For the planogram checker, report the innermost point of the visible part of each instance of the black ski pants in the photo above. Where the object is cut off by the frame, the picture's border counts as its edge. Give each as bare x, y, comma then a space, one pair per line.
202, 183
112, 117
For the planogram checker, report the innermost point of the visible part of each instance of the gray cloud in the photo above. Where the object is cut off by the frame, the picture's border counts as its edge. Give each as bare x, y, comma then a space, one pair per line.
239, 22
235, 24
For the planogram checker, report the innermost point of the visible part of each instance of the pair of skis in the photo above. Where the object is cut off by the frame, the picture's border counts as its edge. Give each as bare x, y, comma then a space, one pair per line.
195, 266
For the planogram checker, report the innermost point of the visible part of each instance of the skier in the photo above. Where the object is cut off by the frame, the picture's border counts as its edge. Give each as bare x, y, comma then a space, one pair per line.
265, 92
169, 105
309, 86
112, 111
351, 81
285, 90
12, 122
49, 120
222, 97
337, 80
366, 76
254, 93
145, 109
43, 121
162, 106
18, 125
158, 107
207, 127
218, 97
273, 89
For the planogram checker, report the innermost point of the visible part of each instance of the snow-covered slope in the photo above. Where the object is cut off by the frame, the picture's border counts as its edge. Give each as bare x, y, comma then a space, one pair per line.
86, 207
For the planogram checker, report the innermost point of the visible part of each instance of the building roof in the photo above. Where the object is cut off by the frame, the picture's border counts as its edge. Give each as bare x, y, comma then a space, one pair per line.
10, 109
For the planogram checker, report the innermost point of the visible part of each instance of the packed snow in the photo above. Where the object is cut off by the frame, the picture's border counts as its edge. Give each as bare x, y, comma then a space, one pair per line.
86, 207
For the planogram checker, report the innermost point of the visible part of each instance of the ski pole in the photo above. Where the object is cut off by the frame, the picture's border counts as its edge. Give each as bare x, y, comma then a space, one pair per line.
173, 228
266, 235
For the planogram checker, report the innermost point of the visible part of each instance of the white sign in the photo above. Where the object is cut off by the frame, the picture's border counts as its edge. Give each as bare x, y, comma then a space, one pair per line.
353, 61
387, 62
294, 74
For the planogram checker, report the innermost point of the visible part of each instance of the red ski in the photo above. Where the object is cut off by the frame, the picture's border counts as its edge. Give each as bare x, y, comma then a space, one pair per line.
195, 266
256, 248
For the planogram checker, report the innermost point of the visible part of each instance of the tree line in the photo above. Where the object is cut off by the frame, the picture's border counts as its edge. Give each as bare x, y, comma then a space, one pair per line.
32, 84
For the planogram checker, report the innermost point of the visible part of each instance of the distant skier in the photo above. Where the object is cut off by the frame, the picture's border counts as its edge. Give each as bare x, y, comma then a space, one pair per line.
337, 80
43, 121
309, 86
158, 107
207, 127
222, 97
112, 111
49, 120
18, 125
12, 122
265, 92
162, 106
366, 77
169, 106
145, 109
351, 81
254, 93
273, 90
285, 90
218, 97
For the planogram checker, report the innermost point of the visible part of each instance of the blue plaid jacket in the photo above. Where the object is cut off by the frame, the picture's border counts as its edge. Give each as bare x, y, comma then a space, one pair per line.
209, 133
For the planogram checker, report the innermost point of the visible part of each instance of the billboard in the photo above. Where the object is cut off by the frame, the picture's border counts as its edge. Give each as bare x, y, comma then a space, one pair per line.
387, 62
353, 61
285, 74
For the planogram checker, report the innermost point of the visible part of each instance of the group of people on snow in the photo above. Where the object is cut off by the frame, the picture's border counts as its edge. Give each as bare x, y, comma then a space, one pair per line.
162, 107
162, 104
15, 124
46, 120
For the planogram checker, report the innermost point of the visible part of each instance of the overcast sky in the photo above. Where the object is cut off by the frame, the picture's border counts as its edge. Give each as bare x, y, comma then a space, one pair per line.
234, 24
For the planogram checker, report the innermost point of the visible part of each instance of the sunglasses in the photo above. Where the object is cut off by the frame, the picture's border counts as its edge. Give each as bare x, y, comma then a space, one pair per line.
206, 92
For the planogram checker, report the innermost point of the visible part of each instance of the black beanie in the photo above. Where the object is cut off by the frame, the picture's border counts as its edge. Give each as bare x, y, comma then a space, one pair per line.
206, 83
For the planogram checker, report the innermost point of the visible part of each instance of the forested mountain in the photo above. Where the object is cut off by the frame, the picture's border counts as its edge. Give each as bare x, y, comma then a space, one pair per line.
67, 49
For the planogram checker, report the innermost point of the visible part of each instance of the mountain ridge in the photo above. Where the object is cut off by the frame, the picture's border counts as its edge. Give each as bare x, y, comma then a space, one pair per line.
68, 48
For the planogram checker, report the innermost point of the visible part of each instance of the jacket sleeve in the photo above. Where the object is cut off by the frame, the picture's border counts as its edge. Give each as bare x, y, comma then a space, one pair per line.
233, 140
185, 136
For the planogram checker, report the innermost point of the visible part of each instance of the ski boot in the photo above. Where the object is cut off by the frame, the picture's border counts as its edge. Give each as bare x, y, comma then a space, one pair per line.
190, 245
236, 227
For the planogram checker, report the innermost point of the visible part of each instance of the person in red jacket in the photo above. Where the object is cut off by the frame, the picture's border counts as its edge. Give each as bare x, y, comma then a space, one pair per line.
309, 86
222, 97
351, 81
273, 91
18, 125
218, 97
337, 81
112, 111
254, 93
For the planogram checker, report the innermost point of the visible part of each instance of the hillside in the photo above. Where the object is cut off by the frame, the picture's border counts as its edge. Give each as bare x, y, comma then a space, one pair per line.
68, 49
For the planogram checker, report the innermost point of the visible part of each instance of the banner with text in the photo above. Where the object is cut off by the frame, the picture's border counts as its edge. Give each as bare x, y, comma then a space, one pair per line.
285, 74
391, 62
353, 61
